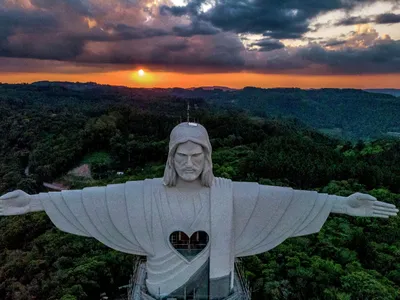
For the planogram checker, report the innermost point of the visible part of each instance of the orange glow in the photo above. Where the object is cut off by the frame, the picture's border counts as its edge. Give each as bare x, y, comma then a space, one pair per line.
234, 80
139, 78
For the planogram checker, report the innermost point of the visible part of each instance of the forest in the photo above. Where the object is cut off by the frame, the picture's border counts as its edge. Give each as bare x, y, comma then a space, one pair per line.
348, 114
46, 130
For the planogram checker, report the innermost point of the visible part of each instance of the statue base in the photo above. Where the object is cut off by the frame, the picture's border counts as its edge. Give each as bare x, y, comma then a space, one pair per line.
138, 291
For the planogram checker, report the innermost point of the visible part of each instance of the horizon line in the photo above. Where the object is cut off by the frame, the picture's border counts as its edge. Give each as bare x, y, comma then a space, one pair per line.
196, 87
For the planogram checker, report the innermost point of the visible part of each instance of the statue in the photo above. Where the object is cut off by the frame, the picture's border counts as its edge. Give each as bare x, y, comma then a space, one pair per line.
240, 218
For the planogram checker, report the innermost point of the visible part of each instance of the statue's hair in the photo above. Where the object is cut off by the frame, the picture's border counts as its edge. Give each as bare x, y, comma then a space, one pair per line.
170, 175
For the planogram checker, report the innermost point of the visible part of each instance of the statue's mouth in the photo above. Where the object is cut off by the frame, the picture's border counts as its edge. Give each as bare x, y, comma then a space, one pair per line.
189, 247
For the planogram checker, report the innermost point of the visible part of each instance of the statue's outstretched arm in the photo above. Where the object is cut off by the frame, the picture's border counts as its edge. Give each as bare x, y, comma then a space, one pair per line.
18, 203
112, 214
363, 205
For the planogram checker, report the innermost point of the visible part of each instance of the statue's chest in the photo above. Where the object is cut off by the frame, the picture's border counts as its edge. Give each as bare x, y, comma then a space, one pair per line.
184, 211
179, 216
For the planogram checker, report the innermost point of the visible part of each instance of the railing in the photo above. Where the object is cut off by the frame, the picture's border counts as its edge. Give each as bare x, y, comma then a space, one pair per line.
242, 279
137, 291
134, 290
186, 246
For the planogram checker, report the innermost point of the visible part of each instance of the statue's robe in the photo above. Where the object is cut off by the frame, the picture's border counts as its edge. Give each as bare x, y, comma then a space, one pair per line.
138, 217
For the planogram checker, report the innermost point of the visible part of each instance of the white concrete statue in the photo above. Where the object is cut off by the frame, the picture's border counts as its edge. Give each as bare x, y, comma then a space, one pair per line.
240, 218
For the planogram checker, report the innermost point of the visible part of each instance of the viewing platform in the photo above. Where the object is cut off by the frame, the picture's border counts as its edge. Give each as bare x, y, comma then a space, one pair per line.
137, 285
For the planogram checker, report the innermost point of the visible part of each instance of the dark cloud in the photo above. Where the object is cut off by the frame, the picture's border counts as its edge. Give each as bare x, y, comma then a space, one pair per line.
35, 34
177, 11
353, 21
44, 47
281, 61
212, 53
268, 45
293, 33
334, 42
276, 19
383, 57
259, 17
12, 19
76, 6
195, 28
126, 32
28, 65
120, 34
387, 18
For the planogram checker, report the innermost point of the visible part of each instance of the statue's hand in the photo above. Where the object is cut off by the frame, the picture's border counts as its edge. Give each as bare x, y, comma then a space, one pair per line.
364, 205
14, 203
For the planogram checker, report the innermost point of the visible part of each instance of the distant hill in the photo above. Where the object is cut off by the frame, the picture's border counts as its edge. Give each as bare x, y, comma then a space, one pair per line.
69, 85
222, 88
344, 113
393, 92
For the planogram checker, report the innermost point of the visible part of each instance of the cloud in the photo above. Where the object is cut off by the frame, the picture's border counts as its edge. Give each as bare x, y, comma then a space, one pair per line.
387, 18
276, 19
379, 58
195, 28
363, 51
44, 47
268, 45
75, 6
13, 19
276, 62
259, 17
214, 53
27, 65
192, 8
353, 21
120, 32
106, 35
334, 42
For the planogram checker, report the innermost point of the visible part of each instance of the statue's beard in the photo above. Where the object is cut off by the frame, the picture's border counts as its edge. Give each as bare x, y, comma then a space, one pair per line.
189, 175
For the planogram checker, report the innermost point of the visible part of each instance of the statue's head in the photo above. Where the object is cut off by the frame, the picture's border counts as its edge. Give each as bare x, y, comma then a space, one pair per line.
189, 156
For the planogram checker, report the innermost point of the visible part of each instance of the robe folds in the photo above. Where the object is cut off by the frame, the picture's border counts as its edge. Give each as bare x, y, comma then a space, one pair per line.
137, 217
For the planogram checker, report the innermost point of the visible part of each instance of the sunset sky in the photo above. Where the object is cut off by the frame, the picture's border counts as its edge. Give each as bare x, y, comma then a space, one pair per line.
188, 43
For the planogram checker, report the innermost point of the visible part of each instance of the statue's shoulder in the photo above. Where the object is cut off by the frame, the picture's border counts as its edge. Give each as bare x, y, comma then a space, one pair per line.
244, 184
152, 181
155, 182
140, 186
244, 187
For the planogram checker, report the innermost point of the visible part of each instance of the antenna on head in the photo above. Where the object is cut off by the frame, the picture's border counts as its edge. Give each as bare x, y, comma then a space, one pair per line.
188, 112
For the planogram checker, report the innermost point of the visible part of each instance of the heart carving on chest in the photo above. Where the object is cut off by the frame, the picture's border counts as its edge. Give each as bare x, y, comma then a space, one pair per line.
189, 247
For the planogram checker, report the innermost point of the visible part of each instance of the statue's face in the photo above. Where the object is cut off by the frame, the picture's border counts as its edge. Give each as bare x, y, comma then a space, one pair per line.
189, 161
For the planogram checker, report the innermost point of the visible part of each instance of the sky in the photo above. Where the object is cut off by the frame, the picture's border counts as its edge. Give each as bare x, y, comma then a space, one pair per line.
189, 43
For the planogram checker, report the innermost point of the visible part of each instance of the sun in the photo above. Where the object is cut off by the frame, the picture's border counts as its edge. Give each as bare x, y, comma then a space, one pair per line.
141, 77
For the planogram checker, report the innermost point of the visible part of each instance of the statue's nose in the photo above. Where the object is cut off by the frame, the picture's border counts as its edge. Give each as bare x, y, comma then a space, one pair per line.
189, 161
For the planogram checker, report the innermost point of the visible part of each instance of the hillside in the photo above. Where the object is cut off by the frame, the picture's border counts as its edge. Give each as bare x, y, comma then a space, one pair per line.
344, 113
393, 92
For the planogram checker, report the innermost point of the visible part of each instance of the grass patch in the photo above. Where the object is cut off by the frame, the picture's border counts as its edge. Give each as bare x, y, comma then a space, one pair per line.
97, 158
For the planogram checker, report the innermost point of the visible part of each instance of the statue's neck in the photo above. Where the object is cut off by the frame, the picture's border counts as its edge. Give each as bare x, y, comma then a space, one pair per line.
189, 185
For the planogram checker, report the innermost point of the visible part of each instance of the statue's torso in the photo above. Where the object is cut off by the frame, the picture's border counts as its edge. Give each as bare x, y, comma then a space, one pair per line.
177, 210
